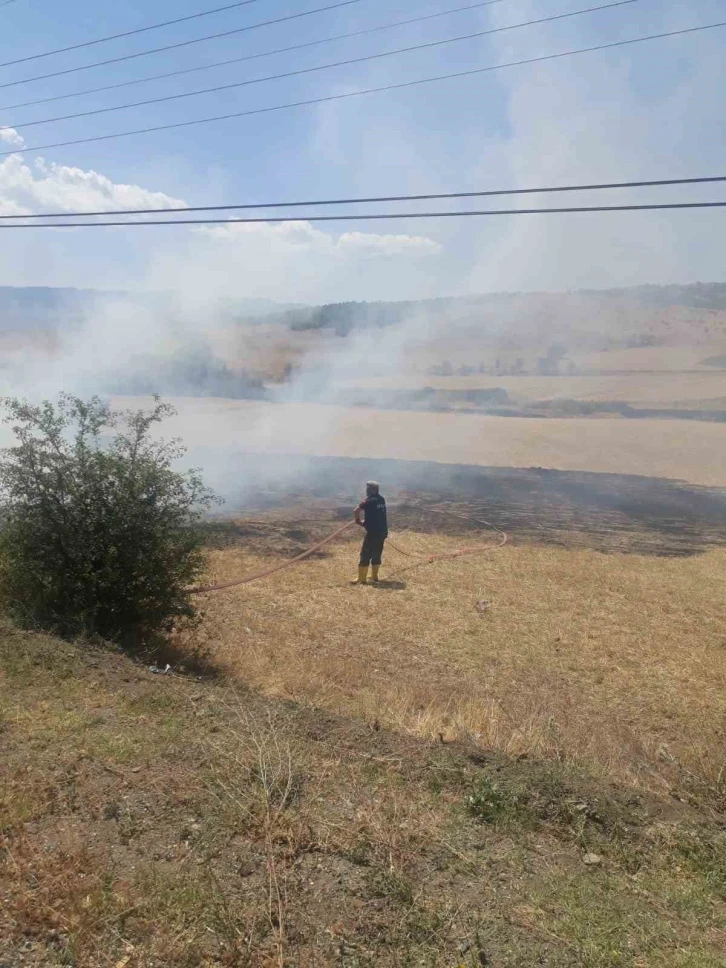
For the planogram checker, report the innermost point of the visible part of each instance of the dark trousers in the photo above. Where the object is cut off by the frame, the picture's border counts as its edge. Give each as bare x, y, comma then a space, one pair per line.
371, 549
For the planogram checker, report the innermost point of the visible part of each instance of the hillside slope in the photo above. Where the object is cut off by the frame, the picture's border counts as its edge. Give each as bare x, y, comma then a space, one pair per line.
155, 820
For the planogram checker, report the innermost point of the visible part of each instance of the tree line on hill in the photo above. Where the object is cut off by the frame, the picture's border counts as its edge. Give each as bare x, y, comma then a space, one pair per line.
192, 372
22, 305
343, 317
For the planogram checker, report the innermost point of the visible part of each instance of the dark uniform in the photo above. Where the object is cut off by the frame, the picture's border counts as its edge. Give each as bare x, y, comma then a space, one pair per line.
376, 525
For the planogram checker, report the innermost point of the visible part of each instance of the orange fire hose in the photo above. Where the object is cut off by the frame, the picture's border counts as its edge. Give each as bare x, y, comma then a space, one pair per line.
459, 552
422, 559
271, 571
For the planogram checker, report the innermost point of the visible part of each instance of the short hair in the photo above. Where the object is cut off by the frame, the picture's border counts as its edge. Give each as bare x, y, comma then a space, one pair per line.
374, 486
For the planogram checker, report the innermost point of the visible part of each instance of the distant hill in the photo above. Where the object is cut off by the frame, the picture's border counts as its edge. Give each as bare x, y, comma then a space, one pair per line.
232, 347
344, 316
47, 308
41, 307
697, 295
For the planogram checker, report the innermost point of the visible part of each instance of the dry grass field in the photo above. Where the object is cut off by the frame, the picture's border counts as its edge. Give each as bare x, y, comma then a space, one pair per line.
506, 759
592, 336
669, 374
149, 821
691, 450
682, 390
616, 662
668, 360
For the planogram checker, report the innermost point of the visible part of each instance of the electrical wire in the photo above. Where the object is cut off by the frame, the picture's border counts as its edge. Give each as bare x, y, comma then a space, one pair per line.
368, 216
250, 57
128, 33
382, 198
371, 90
319, 67
182, 43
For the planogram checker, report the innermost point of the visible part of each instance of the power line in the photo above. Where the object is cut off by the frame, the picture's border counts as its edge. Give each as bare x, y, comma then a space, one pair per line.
128, 33
249, 57
182, 43
383, 198
371, 90
318, 67
369, 217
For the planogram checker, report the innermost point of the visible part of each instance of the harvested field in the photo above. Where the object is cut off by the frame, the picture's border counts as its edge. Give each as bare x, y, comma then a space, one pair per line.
615, 660
611, 661
681, 390
509, 759
690, 451
667, 359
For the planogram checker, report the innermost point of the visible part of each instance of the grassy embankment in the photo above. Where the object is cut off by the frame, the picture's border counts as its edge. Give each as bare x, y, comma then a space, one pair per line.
572, 815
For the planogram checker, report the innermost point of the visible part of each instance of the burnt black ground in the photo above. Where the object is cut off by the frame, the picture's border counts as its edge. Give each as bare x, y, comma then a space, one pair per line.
610, 512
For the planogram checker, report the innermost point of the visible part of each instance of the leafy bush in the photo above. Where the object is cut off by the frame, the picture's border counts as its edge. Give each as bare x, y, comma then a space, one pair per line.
99, 534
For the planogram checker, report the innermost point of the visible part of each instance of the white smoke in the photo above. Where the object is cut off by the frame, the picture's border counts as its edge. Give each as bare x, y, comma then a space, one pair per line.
602, 117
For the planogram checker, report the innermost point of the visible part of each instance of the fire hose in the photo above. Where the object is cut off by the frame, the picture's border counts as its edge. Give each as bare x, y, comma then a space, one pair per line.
458, 552
421, 559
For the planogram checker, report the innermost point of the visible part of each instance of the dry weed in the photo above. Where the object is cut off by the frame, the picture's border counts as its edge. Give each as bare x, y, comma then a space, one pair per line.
611, 660
174, 824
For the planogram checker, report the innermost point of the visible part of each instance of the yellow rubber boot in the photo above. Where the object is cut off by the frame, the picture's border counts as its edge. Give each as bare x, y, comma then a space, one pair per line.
362, 578
374, 572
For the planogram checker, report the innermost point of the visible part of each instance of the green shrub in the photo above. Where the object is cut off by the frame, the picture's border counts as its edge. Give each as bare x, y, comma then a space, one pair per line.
489, 803
99, 534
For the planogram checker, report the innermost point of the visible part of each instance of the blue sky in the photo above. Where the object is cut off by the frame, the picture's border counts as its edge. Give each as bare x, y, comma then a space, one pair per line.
646, 111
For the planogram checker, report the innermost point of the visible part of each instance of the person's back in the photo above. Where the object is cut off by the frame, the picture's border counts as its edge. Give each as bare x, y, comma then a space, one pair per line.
375, 522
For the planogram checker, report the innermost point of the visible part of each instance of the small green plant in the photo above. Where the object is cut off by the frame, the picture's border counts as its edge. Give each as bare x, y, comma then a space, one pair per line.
360, 853
100, 535
489, 803
705, 853
391, 885
112, 810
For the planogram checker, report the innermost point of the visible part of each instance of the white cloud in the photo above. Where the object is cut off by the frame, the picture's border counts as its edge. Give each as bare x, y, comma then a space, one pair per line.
46, 186
294, 261
293, 236
10, 136
283, 261
385, 245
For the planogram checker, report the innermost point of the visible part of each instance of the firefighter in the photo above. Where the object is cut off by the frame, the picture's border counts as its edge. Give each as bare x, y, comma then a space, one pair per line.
373, 511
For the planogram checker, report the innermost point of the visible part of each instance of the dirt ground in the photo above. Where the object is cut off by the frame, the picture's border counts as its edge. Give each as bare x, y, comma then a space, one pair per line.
160, 821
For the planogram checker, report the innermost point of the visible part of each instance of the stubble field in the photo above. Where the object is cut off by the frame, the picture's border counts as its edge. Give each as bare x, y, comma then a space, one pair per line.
684, 450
